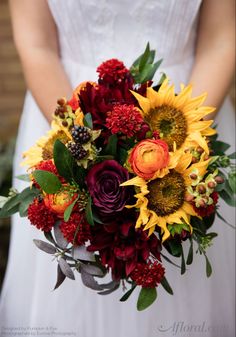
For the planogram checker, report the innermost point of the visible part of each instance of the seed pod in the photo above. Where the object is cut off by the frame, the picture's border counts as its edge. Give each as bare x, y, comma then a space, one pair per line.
193, 176
211, 184
201, 189
61, 101
219, 180
189, 198
200, 149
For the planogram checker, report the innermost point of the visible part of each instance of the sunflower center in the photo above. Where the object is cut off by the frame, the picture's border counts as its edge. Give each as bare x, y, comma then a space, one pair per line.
170, 123
166, 195
47, 150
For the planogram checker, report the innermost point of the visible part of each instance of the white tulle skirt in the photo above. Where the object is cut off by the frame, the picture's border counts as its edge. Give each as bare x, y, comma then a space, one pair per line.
199, 305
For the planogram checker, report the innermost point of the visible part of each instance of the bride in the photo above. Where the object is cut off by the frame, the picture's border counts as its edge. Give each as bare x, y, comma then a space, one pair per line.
60, 44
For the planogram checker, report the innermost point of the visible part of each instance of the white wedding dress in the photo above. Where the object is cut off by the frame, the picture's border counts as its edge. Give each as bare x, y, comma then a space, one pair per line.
90, 32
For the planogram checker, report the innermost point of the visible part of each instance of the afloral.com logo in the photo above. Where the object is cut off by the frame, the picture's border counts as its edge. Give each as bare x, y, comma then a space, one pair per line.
181, 328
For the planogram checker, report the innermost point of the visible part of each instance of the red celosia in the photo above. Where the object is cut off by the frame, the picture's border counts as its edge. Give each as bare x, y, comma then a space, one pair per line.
125, 119
112, 71
121, 246
74, 102
40, 216
209, 209
69, 229
148, 275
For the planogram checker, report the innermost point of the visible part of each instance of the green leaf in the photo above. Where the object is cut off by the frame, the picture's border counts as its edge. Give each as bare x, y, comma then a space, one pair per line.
221, 218
146, 297
183, 266
232, 181
208, 267
23, 177
232, 155
144, 57
190, 253
123, 154
88, 212
88, 122
64, 161
23, 208
111, 147
68, 210
48, 181
174, 247
127, 294
166, 286
229, 199
219, 147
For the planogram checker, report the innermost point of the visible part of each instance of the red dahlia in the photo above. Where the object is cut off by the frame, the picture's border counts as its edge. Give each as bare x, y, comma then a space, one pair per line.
209, 209
40, 216
122, 247
148, 275
125, 119
69, 229
112, 71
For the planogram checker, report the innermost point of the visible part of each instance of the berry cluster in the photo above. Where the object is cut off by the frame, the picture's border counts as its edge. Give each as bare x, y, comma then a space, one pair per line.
80, 136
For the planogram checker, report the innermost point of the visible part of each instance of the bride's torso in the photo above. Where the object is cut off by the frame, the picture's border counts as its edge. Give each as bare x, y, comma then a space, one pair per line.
91, 31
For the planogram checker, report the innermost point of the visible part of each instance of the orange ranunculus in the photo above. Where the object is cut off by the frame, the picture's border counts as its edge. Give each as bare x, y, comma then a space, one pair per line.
149, 156
60, 201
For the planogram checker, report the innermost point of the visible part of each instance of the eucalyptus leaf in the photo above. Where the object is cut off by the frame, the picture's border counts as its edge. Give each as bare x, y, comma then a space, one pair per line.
60, 240
81, 253
232, 181
60, 277
3, 200
232, 155
146, 297
44, 246
92, 270
111, 289
23, 177
89, 281
48, 181
24, 205
66, 269
49, 237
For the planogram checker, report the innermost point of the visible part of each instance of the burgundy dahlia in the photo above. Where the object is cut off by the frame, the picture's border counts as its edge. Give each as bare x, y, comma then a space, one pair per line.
103, 181
112, 71
40, 216
125, 119
148, 275
122, 247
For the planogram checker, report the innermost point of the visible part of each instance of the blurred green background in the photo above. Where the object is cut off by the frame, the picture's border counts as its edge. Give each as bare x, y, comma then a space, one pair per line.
12, 90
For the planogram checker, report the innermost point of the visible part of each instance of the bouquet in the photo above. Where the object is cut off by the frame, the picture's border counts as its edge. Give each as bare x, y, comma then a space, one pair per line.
129, 174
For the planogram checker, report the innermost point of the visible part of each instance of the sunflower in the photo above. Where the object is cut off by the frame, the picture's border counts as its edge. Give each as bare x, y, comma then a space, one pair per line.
162, 201
43, 150
177, 118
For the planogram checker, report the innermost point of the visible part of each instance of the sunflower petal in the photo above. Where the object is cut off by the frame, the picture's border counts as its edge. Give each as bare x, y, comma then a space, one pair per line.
143, 102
